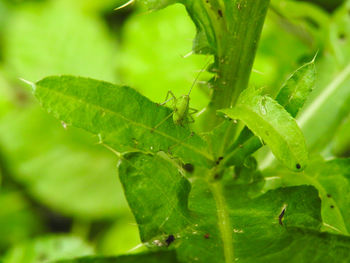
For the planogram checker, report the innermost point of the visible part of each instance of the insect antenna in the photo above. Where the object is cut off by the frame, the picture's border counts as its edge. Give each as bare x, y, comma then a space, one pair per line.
198, 75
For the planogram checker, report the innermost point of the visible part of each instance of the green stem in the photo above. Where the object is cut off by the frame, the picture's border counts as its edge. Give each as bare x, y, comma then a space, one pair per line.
236, 52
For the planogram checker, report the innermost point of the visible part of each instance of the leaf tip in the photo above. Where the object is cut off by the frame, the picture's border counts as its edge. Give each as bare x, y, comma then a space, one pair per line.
27, 82
314, 58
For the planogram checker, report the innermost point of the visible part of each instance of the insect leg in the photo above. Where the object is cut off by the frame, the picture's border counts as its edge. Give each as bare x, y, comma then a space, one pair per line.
167, 96
164, 120
190, 118
191, 111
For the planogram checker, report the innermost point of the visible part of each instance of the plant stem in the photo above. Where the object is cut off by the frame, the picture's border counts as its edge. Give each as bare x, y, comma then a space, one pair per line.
236, 53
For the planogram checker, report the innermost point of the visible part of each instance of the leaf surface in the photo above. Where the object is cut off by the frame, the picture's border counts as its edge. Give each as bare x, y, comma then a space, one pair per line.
119, 116
274, 125
214, 222
332, 179
297, 88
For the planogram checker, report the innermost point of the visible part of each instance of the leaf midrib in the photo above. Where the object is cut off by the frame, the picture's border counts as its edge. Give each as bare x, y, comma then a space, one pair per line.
224, 222
79, 100
272, 128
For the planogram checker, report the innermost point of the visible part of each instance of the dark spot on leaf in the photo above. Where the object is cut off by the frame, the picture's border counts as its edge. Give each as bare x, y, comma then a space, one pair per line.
332, 206
220, 12
207, 236
170, 240
188, 167
329, 196
298, 166
219, 160
217, 176
280, 217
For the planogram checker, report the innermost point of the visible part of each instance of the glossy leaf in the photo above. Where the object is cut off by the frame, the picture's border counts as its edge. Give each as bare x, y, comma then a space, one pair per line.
119, 116
212, 221
274, 125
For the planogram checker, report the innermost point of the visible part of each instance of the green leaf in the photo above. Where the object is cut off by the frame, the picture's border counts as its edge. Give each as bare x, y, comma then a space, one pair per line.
328, 103
45, 38
58, 170
18, 218
292, 97
47, 249
332, 179
297, 88
274, 125
217, 221
158, 257
119, 116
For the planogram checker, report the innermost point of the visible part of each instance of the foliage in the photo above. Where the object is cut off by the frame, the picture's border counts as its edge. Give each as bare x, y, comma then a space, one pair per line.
262, 175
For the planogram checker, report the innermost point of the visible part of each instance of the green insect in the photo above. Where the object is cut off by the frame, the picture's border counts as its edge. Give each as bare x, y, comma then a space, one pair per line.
182, 112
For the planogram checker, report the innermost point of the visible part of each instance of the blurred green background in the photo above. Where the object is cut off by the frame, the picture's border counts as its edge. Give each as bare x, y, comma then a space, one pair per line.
60, 195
